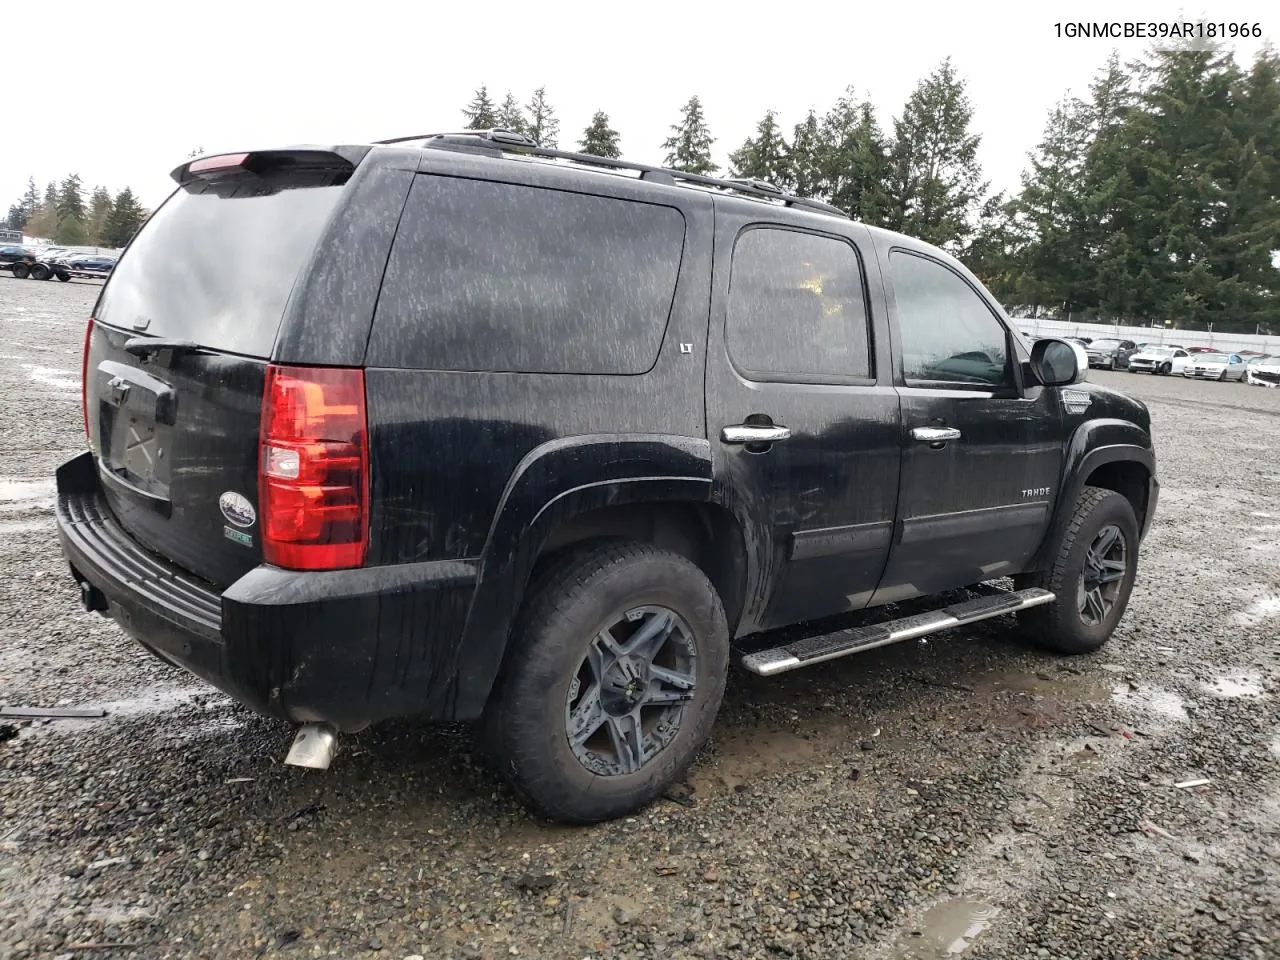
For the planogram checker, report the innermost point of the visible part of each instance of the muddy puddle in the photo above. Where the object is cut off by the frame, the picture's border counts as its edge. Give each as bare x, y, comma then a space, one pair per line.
18, 495
949, 929
739, 756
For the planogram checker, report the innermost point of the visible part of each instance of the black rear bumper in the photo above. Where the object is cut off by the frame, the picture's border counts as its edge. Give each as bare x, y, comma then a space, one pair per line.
347, 647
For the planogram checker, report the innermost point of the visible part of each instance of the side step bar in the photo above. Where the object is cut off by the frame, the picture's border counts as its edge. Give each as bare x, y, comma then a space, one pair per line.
811, 650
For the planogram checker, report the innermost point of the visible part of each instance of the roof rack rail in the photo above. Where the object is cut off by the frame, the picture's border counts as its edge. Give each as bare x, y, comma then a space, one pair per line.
508, 140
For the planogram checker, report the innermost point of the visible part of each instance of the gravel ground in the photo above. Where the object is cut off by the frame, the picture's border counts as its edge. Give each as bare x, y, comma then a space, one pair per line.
959, 795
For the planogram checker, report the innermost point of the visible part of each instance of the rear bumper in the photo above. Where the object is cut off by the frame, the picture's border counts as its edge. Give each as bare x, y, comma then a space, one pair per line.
346, 647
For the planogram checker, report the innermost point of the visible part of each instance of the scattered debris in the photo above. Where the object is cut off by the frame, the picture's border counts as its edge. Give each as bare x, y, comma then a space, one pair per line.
680, 793
56, 713
942, 684
568, 920
712, 875
664, 870
1192, 784
621, 917
1146, 826
8, 731
109, 862
286, 938
536, 882
241, 780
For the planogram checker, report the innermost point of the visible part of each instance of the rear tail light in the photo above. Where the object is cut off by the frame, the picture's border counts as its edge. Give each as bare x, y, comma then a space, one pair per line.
313, 491
84, 379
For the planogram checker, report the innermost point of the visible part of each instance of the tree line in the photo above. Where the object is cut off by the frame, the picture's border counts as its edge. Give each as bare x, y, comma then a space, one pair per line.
1153, 198
63, 215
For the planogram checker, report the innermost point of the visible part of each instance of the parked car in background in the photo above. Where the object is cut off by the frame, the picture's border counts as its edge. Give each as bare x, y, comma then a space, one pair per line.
1155, 359
1110, 353
18, 260
1202, 349
1263, 371
90, 265
1215, 366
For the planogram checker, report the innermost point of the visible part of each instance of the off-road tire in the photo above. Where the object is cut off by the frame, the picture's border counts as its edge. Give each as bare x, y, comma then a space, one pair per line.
1060, 625
524, 729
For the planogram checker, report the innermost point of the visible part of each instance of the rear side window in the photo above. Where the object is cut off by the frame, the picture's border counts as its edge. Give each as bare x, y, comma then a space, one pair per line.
499, 277
796, 308
216, 265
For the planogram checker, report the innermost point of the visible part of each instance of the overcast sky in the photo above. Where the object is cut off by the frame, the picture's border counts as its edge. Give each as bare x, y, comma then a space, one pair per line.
126, 95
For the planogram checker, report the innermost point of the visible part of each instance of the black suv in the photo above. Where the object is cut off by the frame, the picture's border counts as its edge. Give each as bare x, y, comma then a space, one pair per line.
458, 427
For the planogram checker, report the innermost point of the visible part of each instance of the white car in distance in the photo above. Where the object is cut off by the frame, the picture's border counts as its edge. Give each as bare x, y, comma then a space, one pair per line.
1156, 359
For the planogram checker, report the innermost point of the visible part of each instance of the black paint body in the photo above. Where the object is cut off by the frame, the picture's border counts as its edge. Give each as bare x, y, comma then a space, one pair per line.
476, 476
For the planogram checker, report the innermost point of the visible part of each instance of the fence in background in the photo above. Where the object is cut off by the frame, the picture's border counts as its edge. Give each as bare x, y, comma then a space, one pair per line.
1229, 342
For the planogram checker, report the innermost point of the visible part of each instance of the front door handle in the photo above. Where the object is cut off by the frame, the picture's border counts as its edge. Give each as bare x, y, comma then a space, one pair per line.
749, 433
935, 434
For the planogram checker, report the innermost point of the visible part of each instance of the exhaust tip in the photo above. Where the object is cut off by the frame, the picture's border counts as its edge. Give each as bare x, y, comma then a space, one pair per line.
313, 747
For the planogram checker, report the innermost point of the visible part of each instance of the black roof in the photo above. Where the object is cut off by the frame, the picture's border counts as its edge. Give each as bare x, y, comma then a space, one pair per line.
506, 141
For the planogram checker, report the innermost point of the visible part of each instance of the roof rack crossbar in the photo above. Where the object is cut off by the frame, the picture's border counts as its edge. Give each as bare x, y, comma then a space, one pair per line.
507, 140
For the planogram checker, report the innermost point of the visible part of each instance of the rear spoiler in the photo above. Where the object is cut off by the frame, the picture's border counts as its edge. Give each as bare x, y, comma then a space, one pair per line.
223, 166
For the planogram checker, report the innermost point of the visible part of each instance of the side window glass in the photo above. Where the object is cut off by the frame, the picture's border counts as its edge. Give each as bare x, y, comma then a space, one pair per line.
796, 308
949, 335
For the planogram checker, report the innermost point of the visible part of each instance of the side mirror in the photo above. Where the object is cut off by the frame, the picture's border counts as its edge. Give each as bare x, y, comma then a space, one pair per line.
1058, 363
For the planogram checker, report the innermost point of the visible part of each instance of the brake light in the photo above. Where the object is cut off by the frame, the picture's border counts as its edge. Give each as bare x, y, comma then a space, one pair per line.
84, 379
227, 161
313, 471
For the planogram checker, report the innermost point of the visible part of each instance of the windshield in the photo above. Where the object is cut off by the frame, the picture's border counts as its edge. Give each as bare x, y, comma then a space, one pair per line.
1212, 358
1160, 351
1105, 344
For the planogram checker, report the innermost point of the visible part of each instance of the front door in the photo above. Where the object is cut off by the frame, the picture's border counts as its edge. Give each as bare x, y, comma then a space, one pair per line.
981, 453
802, 413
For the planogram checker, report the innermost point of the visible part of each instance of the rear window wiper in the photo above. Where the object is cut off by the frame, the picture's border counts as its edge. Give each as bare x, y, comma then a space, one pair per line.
144, 346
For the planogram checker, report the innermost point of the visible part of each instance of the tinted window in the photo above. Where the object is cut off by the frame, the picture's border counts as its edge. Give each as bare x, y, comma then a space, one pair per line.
492, 276
948, 333
796, 307
218, 267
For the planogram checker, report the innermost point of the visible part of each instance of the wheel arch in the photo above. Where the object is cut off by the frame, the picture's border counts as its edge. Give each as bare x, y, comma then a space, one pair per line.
659, 492
1112, 454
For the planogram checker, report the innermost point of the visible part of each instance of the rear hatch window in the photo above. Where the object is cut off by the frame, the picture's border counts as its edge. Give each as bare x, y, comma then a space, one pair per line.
176, 428
216, 264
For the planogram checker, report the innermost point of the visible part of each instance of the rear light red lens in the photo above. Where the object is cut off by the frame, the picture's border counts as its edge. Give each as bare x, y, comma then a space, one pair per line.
84, 379
313, 484
227, 161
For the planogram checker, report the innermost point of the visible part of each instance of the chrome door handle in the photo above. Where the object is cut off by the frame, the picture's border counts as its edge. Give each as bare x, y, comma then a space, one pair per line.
935, 434
747, 433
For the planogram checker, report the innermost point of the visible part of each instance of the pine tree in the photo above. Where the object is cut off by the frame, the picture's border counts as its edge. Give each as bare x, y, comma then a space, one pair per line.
1055, 269
99, 209
198, 151
764, 156
480, 112
510, 116
17, 217
936, 183
70, 200
71, 232
542, 126
853, 161
124, 220
689, 146
806, 157
50, 196
30, 199
600, 139
43, 223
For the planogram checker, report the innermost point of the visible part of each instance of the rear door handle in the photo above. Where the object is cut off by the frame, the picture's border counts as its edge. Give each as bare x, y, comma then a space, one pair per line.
748, 433
935, 434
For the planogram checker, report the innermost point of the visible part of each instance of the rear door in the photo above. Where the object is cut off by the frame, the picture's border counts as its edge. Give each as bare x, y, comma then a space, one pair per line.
981, 453
176, 360
798, 351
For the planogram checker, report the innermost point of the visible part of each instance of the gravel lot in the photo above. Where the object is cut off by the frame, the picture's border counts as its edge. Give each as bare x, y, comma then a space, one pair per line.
959, 795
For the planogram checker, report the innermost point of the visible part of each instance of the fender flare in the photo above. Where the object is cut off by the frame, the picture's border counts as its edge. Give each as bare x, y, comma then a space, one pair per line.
1094, 444
553, 483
